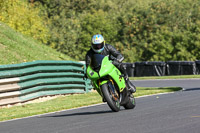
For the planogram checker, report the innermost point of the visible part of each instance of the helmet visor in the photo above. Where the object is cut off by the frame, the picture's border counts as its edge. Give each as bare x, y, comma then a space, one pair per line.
98, 46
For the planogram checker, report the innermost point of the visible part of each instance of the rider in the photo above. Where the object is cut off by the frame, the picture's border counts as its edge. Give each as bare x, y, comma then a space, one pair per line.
100, 47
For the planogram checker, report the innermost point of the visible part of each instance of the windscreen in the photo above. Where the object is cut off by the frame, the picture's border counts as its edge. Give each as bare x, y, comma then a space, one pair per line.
96, 61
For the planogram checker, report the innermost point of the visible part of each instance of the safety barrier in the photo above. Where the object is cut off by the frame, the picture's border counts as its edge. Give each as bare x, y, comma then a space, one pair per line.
181, 68
30, 80
150, 68
139, 69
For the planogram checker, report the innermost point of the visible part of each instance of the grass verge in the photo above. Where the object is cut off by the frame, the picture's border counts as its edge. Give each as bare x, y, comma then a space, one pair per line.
166, 77
68, 102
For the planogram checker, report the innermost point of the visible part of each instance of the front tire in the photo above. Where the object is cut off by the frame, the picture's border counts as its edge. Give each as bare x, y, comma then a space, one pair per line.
113, 104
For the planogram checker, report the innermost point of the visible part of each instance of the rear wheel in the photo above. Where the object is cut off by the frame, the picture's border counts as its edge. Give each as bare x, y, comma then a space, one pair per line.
131, 103
111, 98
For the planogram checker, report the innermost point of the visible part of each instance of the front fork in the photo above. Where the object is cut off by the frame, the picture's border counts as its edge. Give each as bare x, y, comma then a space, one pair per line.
122, 96
113, 91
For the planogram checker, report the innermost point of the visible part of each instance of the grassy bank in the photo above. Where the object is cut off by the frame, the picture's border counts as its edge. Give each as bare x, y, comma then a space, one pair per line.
67, 102
17, 48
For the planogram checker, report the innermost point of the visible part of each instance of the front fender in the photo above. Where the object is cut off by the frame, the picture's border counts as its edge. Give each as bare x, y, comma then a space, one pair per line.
103, 82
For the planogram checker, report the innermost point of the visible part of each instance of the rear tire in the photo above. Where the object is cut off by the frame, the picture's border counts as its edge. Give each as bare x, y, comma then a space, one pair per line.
131, 103
114, 105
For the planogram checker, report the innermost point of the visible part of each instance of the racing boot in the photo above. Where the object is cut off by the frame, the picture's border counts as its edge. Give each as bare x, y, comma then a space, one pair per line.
130, 86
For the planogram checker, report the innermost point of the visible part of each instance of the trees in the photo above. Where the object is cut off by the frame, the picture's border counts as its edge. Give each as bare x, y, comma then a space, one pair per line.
24, 18
163, 30
74, 22
143, 30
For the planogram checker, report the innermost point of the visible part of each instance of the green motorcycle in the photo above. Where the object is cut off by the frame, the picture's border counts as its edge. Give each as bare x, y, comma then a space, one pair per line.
109, 83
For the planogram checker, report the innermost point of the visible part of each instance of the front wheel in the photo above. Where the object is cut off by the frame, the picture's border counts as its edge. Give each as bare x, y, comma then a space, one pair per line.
112, 101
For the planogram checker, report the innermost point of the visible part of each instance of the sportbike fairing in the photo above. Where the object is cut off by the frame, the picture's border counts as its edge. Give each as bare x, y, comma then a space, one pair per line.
101, 67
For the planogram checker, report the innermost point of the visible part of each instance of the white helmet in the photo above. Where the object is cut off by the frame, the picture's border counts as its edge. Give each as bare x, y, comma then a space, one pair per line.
98, 43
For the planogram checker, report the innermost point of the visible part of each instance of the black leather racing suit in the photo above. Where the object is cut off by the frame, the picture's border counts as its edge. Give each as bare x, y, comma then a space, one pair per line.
117, 58
114, 55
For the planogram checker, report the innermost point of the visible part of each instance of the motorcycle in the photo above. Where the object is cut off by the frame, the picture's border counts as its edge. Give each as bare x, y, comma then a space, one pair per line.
109, 83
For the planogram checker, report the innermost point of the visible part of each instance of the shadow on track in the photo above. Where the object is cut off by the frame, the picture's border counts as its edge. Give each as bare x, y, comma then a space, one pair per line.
80, 113
192, 89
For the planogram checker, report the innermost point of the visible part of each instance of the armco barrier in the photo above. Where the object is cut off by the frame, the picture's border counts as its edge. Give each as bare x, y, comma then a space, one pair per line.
197, 67
181, 68
26, 81
156, 68
149, 69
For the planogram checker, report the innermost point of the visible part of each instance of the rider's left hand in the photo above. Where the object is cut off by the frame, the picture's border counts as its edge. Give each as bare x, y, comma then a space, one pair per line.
115, 62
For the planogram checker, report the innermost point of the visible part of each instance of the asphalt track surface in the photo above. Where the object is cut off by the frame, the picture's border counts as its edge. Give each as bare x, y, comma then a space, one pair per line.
177, 112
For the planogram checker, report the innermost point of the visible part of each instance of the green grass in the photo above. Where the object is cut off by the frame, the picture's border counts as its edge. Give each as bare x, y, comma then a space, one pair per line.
17, 48
166, 77
68, 102
141, 91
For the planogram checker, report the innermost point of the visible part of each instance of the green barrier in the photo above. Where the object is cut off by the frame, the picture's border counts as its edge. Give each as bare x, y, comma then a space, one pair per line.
88, 82
39, 69
52, 87
49, 92
88, 85
42, 78
51, 75
48, 81
39, 63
